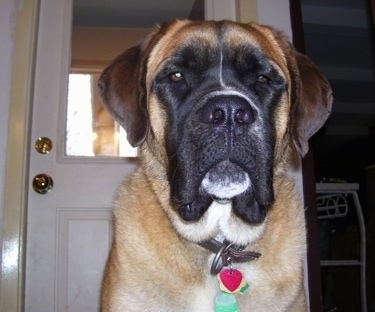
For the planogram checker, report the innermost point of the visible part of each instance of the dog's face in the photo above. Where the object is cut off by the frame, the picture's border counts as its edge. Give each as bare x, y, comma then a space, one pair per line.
222, 107
221, 93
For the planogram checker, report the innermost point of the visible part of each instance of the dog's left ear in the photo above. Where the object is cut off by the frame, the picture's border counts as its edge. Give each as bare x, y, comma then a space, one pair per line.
122, 88
313, 102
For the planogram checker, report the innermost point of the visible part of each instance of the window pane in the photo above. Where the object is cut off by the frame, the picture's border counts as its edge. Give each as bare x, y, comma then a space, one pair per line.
90, 130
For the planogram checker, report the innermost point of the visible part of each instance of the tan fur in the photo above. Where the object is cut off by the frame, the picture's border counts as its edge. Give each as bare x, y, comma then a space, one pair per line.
155, 263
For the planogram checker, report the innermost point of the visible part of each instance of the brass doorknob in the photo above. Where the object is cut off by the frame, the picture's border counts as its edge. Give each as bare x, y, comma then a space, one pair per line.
42, 183
43, 145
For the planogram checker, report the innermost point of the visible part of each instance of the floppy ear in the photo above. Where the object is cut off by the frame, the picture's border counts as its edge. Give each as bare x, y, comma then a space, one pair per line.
313, 103
122, 88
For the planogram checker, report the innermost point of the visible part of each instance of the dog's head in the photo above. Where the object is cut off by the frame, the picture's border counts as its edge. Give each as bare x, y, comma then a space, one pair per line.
222, 106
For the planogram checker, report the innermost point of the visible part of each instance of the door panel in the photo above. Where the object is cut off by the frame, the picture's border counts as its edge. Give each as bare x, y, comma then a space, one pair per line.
84, 237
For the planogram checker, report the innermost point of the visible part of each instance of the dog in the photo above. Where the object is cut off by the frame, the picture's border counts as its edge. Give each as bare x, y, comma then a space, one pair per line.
219, 111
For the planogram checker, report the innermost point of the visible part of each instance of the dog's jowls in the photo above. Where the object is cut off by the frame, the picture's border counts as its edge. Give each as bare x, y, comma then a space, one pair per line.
219, 110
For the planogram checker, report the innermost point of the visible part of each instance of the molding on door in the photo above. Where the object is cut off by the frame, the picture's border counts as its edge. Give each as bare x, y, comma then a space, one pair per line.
16, 176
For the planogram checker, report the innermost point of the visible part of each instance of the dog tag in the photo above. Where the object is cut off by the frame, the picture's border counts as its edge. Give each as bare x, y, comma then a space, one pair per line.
225, 302
231, 281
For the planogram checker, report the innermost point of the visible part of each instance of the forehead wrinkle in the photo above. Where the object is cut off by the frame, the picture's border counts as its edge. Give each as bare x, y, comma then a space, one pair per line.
262, 39
272, 48
183, 33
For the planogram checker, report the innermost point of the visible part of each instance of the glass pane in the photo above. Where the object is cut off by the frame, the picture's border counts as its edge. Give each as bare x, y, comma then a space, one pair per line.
90, 130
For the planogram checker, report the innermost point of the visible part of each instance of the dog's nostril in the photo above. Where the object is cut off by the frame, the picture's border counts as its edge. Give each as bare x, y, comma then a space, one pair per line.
218, 116
213, 115
240, 116
244, 116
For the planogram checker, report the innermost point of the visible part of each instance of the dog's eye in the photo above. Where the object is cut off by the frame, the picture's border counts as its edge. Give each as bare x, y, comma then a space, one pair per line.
262, 79
177, 76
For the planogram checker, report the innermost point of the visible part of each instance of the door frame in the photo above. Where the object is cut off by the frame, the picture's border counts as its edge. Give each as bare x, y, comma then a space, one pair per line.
16, 175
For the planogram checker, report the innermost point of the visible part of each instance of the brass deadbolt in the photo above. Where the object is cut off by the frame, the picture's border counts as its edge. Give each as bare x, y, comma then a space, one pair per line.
43, 145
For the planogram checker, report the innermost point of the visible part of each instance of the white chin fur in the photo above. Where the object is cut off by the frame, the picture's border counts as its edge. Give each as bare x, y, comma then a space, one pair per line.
219, 220
225, 188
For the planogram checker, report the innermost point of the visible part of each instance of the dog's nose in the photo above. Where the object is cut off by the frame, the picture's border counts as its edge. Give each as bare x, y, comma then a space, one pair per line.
228, 110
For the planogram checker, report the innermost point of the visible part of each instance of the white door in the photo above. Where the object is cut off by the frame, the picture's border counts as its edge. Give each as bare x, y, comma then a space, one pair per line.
68, 228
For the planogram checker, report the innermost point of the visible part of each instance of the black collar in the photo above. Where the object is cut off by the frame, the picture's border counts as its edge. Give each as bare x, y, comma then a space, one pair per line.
227, 253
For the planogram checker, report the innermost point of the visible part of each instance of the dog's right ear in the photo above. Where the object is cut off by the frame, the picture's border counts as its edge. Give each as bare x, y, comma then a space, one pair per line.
122, 88
314, 102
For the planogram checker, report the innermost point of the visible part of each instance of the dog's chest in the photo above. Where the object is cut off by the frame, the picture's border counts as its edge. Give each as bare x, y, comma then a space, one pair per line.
203, 297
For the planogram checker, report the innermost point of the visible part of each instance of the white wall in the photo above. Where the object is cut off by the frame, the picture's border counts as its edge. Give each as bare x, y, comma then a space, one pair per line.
275, 13
8, 15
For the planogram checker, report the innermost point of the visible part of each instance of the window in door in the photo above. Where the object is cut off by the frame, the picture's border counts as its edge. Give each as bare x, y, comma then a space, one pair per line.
90, 130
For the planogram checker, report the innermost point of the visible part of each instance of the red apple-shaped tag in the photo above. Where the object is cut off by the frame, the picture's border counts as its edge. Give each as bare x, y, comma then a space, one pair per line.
230, 278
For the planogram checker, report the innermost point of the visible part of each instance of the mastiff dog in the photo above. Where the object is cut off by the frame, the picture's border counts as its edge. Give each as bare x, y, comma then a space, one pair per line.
211, 220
